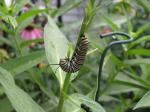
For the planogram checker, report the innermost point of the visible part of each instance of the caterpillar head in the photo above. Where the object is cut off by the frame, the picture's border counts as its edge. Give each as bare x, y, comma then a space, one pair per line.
64, 61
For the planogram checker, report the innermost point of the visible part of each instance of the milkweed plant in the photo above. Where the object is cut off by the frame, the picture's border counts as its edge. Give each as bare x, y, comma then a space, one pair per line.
74, 56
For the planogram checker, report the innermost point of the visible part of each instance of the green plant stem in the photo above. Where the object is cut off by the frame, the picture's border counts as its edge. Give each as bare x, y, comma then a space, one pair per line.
18, 48
83, 27
63, 91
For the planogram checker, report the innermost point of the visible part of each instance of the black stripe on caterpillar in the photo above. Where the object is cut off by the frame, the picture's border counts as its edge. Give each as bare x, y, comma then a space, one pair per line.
73, 65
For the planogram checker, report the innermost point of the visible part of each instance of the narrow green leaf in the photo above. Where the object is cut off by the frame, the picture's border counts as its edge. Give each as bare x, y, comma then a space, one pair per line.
130, 84
20, 100
73, 104
6, 18
116, 60
129, 24
4, 9
41, 83
6, 41
143, 52
29, 42
12, 21
2, 14
30, 13
142, 29
68, 5
125, 79
113, 26
24, 63
140, 40
116, 88
24, 24
137, 79
18, 5
137, 61
144, 4
144, 102
4, 28
9, 19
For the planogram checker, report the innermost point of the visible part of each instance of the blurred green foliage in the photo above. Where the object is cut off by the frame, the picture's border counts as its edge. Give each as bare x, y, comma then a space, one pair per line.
30, 84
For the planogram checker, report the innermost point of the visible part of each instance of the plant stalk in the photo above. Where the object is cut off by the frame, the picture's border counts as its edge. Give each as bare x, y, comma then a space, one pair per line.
63, 91
18, 48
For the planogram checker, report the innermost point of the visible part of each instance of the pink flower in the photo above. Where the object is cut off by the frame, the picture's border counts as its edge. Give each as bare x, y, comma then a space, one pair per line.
30, 33
105, 30
25, 9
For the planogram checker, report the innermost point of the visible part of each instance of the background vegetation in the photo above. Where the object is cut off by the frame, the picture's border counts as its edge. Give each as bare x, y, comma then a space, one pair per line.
30, 84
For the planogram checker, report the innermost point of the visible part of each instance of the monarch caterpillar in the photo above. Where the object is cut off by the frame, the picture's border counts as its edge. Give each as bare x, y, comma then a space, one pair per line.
73, 65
